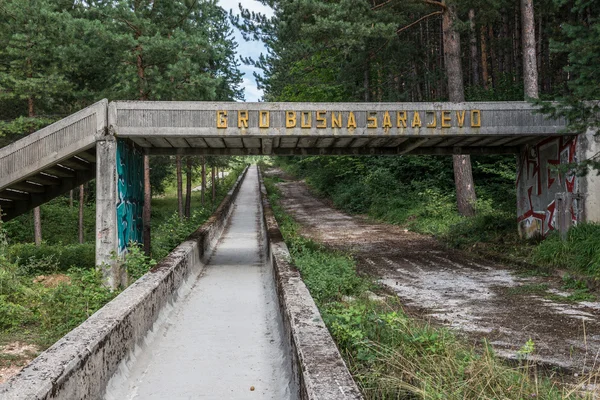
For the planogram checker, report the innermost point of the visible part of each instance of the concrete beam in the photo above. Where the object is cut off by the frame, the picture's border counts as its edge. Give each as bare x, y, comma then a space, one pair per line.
157, 120
357, 151
44, 194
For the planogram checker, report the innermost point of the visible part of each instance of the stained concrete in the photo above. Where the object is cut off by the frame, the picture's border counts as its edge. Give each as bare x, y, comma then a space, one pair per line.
224, 338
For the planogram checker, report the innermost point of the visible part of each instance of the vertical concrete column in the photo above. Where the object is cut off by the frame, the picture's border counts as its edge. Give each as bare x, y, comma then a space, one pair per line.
589, 146
106, 210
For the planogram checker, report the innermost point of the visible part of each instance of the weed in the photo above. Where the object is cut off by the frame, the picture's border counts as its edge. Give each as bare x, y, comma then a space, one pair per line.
531, 288
580, 252
391, 355
136, 263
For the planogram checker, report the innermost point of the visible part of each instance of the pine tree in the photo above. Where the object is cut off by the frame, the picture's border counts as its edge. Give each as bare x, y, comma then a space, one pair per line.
33, 34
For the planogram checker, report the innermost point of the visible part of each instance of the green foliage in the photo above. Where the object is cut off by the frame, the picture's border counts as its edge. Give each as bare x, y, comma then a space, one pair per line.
390, 354
137, 263
51, 311
169, 229
49, 259
174, 230
417, 192
64, 307
59, 223
579, 252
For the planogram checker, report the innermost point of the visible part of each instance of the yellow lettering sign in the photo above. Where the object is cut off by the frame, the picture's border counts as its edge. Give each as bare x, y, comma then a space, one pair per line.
336, 122
460, 117
243, 119
372, 124
351, 121
306, 119
433, 122
475, 119
446, 119
264, 119
321, 121
387, 121
401, 119
221, 119
290, 119
416, 120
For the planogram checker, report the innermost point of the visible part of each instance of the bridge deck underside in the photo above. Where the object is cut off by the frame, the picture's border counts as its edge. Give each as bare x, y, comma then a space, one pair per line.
41, 187
330, 145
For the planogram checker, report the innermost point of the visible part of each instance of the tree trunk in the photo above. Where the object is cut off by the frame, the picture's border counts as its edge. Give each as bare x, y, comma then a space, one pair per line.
37, 215
37, 226
147, 212
473, 48
465, 188
71, 198
530, 73
203, 189
179, 188
81, 203
212, 181
493, 47
463, 176
366, 85
188, 188
484, 62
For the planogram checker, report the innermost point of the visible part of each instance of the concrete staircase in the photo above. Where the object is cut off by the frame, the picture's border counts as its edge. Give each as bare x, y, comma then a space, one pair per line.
51, 161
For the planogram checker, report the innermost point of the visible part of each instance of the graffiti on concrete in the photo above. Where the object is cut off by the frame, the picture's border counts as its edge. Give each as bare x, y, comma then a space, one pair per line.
538, 182
130, 199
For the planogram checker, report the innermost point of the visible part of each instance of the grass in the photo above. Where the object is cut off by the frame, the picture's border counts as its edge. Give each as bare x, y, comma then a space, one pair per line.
427, 207
579, 253
390, 354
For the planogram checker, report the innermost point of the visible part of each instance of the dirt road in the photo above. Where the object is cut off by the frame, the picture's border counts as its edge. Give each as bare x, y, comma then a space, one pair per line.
477, 298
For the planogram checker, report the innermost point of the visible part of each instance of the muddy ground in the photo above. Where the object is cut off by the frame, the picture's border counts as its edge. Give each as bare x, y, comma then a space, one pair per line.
480, 299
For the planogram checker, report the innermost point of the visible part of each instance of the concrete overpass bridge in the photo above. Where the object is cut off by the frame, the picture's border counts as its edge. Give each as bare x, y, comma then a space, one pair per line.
107, 141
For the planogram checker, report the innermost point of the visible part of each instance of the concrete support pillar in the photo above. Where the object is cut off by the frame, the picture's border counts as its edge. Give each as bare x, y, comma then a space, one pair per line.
589, 147
106, 211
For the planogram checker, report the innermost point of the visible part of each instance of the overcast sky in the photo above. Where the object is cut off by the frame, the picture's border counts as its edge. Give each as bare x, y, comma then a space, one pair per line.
248, 49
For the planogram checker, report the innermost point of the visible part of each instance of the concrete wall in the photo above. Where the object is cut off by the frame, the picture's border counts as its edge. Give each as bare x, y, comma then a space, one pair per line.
589, 146
80, 364
317, 363
538, 184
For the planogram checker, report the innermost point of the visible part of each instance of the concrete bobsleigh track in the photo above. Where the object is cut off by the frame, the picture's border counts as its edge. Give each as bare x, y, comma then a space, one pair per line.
224, 316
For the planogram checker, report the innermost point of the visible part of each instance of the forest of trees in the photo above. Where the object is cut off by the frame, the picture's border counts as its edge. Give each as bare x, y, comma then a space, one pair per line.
429, 50
57, 57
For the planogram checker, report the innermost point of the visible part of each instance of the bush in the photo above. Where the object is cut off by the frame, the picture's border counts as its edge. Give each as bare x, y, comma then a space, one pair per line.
46, 258
579, 252
488, 226
64, 307
59, 223
12, 315
137, 263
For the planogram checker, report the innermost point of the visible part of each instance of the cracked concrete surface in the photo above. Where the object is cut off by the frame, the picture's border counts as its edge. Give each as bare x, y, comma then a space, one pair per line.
222, 341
